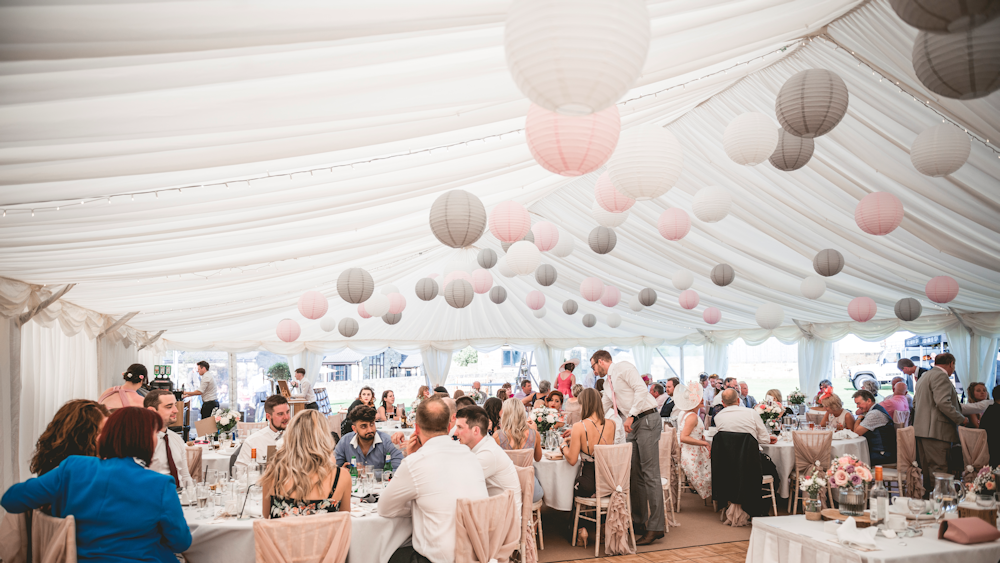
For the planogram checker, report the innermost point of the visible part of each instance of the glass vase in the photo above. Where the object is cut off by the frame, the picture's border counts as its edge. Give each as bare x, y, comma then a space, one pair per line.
812, 507
852, 500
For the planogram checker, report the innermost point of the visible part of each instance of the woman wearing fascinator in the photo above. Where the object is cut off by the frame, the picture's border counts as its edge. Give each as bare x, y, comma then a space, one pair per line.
695, 450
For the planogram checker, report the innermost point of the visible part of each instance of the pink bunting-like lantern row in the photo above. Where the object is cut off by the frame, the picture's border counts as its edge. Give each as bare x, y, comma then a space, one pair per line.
482, 281
288, 330
397, 303
362, 313
609, 198
610, 296
546, 235
674, 224
712, 315
572, 145
535, 300
591, 288
942, 289
688, 299
509, 221
457, 275
862, 309
879, 213
313, 305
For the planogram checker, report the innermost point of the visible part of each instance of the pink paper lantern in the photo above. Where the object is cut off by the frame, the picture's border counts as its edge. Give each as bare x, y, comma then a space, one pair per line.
674, 224
313, 305
482, 281
535, 300
546, 235
688, 299
610, 198
362, 313
572, 145
397, 303
591, 289
879, 213
288, 330
862, 309
611, 296
509, 221
456, 275
712, 315
942, 289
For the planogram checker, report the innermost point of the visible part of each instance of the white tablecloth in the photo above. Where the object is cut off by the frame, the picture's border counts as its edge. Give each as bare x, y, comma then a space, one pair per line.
795, 539
216, 461
783, 456
557, 479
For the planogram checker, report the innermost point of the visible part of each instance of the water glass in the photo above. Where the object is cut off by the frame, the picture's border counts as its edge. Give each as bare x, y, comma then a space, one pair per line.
985, 501
202, 495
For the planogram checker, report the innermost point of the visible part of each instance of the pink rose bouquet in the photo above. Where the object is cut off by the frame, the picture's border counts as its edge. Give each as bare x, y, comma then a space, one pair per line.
848, 471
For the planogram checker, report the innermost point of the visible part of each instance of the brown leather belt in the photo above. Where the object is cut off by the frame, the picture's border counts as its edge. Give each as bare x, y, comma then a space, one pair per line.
644, 413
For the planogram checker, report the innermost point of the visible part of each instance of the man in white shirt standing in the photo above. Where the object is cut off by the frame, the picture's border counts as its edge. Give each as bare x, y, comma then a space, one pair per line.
169, 457
207, 390
471, 427
734, 417
305, 388
437, 472
626, 391
278, 413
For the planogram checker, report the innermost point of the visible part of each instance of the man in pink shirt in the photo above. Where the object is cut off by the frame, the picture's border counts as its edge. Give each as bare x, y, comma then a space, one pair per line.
897, 402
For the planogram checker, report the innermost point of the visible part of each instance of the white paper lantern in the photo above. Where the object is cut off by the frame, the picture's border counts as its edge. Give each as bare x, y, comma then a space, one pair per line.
750, 139
427, 289
688, 299
647, 297
964, 65
459, 294
602, 240
711, 204
572, 145
328, 324
811, 103
682, 279
377, 305
565, 245
674, 224
397, 303
498, 294
862, 309
879, 213
792, 152
546, 235
711, 315
770, 316
611, 296
946, 16
635, 304
504, 269
539, 313
458, 218
288, 330
482, 281
591, 288
392, 318
523, 257
606, 218
828, 262
940, 150
313, 305
348, 327
813, 287
570, 307
908, 309
646, 163
614, 320
723, 275
509, 222
355, 285
535, 300
589, 320
487, 258
530, 237
574, 57
388, 289
546, 275
609, 198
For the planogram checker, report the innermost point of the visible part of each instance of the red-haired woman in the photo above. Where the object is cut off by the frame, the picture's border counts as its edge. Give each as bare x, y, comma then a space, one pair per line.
145, 523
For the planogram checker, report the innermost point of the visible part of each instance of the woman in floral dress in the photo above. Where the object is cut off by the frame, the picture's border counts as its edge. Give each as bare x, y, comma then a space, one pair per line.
695, 450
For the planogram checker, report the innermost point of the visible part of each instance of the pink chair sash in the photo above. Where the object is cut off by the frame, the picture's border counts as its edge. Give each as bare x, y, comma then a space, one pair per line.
975, 453
526, 476
613, 464
912, 478
14, 538
321, 538
53, 540
486, 529
194, 462
522, 458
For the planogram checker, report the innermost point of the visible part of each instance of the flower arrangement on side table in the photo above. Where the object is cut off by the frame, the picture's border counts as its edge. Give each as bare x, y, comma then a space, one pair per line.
851, 477
813, 484
771, 413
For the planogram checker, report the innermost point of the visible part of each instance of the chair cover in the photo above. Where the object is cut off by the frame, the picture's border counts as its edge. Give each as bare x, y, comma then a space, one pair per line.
666, 467
53, 540
486, 530
522, 458
526, 476
321, 538
613, 464
14, 538
194, 462
247, 426
334, 421
812, 446
911, 478
975, 451
815, 417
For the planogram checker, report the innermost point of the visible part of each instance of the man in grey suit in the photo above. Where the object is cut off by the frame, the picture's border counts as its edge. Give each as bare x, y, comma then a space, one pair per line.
936, 416
745, 399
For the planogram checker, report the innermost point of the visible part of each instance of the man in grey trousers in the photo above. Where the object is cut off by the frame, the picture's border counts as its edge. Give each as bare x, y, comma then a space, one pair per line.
626, 391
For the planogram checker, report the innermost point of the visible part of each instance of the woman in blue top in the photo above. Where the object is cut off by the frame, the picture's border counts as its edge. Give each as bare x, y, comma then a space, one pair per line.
123, 511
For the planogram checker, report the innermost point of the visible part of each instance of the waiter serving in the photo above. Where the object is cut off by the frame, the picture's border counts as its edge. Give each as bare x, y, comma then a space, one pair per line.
207, 390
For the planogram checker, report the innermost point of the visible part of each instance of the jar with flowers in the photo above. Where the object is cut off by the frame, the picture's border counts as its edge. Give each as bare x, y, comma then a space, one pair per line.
851, 477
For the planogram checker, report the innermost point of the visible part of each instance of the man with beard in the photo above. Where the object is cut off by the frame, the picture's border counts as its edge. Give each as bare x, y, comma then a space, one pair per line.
169, 457
366, 445
278, 413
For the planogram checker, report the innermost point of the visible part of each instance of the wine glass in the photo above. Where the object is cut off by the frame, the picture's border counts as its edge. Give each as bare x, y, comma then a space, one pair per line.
916, 506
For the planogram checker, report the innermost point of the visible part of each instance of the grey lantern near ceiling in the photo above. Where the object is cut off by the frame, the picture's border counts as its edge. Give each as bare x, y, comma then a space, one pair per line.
602, 240
391, 319
647, 297
946, 16
570, 307
530, 237
458, 218
964, 65
427, 289
498, 294
811, 103
458, 293
546, 274
828, 262
908, 309
589, 320
723, 275
355, 285
792, 152
348, 327
487, 258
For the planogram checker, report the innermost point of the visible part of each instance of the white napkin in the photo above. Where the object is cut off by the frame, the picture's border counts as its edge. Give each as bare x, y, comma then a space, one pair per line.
849, 534
844, 435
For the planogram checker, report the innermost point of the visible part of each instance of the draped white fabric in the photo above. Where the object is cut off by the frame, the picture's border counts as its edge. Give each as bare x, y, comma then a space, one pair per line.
815, 363
436, 365
716, 358
547, 360
309, 361
643, 358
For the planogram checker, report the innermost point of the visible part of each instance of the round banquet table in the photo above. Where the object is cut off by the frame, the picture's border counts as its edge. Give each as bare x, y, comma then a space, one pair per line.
557, 478
216, 460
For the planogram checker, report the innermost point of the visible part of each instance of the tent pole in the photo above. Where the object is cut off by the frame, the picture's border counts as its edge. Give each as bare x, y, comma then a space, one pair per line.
665, 360
233, 395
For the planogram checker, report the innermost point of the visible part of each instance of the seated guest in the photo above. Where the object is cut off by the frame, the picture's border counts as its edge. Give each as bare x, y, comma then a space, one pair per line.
517, 432
554, 400
73, 431
464, 401
977, 400
835, 411
364, 443
458, 393
502, 394
170, 455
544, 387
277, 412
990, 422
125, 395
572, 407
873, 387
471, 425
659, 393
303, 478
145, 523
695, 450
366, 396
523, 390
825, 389
897, 403
909, 399
667, 410
875, 424
745, 398
775, 397
438, 471
734, 417
389, 410
441, 390
452, 412
492, 406
423, 393
592, 431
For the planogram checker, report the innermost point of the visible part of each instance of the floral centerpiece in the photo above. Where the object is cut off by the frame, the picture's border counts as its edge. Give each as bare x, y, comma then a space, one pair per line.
985, 482
478, 395
770, 412
225, 419
544, 418
850, 476
798, 400
984, 487
813, 484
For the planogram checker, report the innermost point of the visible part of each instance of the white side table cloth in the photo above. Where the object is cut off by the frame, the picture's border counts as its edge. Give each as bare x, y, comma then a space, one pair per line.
557, 478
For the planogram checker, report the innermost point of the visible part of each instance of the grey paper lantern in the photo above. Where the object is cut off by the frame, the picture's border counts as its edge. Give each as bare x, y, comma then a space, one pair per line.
723, 275
811, 103
391, 319
647, 297
570, 307
348, 327
498, 294
964, 65
602, 240
458, 293
946, 16
546, 275
589, 320
355, 285
530, 237
792, 152
908, 309
458, 218
487, 258
828, 262
427, 289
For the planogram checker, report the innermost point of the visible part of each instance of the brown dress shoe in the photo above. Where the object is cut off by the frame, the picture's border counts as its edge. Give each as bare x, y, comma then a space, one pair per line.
648, 538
